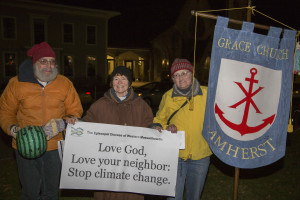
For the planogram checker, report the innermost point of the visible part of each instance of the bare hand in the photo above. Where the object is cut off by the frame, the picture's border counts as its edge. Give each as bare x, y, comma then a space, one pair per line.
70, 119
159, 128
172, 128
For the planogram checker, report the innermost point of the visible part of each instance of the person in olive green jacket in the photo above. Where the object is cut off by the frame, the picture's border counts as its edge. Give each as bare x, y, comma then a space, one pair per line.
188, 98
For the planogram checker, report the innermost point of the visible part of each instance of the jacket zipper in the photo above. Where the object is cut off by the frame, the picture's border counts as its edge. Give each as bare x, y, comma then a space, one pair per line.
43, 104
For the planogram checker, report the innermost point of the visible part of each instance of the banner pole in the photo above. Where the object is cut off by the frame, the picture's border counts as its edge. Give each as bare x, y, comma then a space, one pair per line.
236, 183
209, 16
249, 11
237, 170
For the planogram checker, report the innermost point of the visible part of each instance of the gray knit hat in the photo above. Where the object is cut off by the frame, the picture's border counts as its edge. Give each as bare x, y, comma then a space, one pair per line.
180, 64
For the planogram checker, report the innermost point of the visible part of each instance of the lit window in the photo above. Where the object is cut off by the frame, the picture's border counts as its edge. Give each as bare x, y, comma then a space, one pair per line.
91, 66
68, 65
141, 66
165, 64
110, 64
10, 65
129, 64
207, 62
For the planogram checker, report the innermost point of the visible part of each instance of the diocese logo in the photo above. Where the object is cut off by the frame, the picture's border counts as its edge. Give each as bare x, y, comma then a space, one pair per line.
76, 131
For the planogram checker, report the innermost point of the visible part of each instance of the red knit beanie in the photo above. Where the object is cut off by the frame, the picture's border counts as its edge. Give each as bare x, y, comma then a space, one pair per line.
40, 50
180, 64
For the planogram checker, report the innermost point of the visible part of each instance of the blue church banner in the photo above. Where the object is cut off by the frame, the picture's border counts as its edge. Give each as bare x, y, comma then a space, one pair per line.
249, 94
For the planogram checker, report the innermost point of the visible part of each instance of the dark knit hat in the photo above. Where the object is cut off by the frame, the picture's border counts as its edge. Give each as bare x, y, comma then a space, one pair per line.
40, 50
122, 70
180, 64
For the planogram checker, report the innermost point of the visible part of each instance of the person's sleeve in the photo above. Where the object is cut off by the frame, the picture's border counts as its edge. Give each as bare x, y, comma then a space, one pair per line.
147, 114
90, 115
161, 116
72, 103
8, 108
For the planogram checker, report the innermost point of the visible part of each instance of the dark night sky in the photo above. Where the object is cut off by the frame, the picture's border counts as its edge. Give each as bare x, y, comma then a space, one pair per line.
141, 20
285, 11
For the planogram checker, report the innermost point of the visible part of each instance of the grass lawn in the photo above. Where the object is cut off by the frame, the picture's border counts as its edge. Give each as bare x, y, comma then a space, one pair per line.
278, 181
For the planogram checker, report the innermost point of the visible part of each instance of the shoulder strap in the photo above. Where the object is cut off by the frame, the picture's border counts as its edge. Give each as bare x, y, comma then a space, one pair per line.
176, 111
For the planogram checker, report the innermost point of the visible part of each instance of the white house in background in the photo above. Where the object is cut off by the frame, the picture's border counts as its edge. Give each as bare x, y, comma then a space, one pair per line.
78, 37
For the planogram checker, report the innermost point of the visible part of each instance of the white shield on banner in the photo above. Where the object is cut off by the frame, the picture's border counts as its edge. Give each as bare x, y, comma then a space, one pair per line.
247, 97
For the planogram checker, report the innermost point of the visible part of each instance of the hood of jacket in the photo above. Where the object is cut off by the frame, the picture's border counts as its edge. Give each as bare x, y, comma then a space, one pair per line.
26, 72
111, 94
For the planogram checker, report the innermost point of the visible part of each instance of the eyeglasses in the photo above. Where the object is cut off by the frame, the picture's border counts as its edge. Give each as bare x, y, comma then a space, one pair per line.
182, 74
45, 62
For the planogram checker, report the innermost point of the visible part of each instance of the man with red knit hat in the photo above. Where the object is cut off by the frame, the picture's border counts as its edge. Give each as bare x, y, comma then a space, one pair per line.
39, 96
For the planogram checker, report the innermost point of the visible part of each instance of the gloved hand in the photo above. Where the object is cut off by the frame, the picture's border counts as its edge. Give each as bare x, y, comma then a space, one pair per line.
53, 127
14, 130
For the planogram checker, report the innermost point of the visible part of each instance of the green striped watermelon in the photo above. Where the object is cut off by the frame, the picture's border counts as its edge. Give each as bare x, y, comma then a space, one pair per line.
31, 142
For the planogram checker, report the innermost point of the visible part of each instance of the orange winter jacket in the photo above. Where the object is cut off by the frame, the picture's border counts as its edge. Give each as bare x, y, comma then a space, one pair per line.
25, 102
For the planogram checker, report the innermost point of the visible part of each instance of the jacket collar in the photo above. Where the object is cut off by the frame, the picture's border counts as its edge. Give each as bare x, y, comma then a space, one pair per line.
176, 92
113, 96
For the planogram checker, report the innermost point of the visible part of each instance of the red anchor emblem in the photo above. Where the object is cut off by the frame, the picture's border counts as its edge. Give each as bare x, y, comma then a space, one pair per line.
243, 128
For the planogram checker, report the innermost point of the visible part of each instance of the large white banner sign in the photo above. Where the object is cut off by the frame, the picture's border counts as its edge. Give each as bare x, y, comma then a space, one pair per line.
119, 158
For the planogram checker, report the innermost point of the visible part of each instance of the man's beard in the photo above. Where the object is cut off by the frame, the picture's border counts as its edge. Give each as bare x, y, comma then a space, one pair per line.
42, 77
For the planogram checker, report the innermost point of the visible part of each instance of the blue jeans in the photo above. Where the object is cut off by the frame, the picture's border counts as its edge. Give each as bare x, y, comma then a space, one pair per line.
39, 177
191, 175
